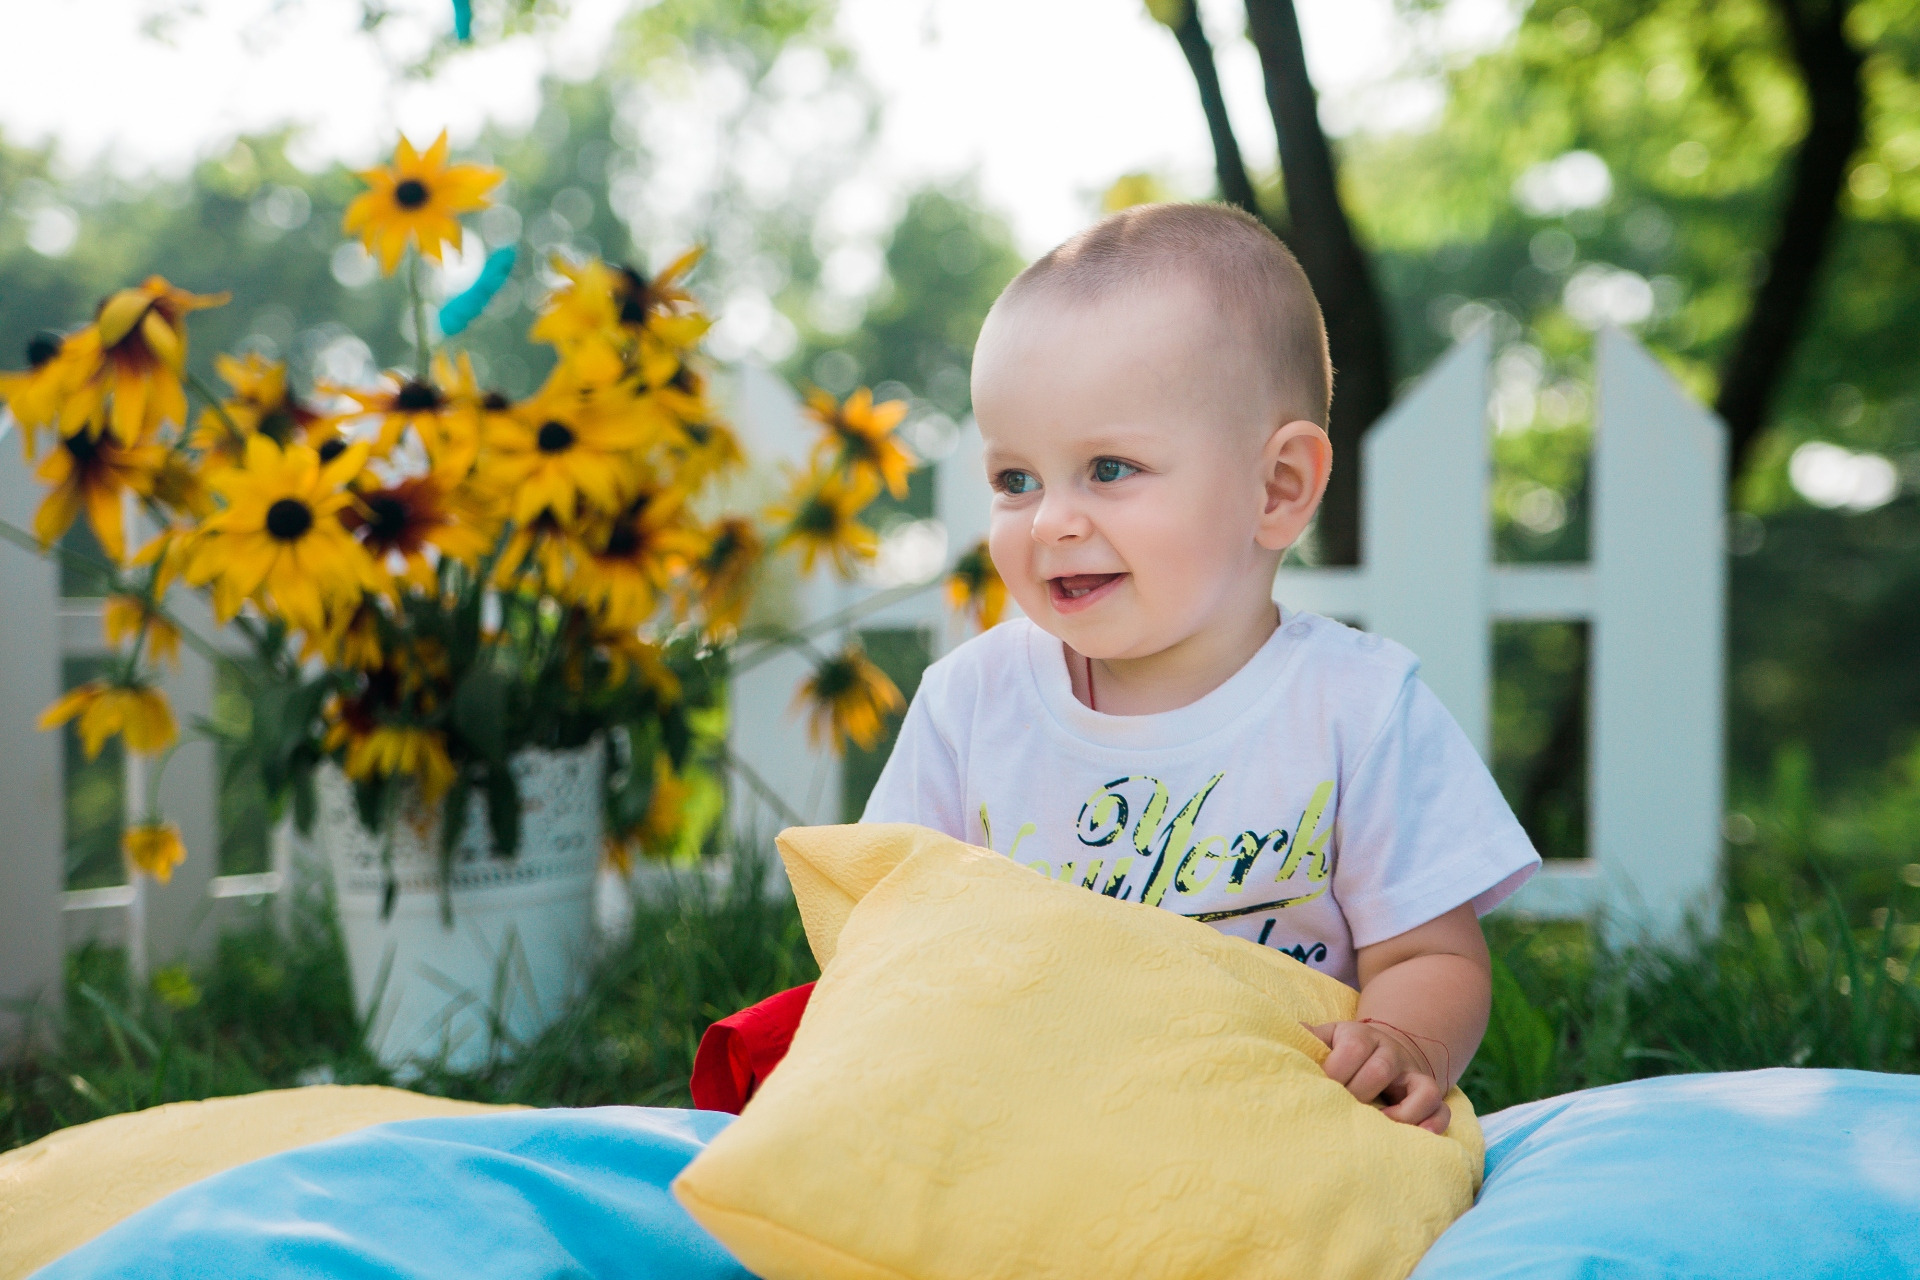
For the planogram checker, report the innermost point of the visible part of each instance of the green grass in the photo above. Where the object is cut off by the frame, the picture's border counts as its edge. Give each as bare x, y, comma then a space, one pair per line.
1801, 988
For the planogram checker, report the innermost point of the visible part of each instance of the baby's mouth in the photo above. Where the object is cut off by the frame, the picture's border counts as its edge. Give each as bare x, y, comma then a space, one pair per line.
1077, 590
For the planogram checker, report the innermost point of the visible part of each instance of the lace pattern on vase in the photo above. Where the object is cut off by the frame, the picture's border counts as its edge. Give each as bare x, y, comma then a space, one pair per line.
560, 831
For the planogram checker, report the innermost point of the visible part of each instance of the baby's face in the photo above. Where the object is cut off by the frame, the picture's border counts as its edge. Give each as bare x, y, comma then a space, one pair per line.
1125, 457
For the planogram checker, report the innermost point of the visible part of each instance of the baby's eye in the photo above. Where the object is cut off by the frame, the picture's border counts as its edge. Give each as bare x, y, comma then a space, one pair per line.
1016, 482
1108, 470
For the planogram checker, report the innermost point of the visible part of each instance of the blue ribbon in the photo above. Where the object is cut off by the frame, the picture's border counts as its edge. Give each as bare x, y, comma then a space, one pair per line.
462, 309
463, 19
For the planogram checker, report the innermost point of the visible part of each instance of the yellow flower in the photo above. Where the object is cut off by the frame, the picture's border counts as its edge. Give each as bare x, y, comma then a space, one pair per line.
848, 699
351, 640
136, 352
397, 523
725, 573
280, 539
443, 411
859, 435
628, 654
975, 586
121, 621
155, 848
417, 198
391, 751
567, 447
260, 405
92, 472
35, 394
626, 563
137, 710
821, 519
180, 487
659, 830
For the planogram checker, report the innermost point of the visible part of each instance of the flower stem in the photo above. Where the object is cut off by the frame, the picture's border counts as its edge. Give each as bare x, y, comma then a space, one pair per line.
798, 637
199, 387
116, 584
425, 348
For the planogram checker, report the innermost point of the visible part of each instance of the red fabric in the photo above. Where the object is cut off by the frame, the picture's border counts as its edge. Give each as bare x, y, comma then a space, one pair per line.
739, 1052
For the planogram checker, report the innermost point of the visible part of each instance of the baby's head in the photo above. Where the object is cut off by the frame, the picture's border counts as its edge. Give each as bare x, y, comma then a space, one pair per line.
1153, 396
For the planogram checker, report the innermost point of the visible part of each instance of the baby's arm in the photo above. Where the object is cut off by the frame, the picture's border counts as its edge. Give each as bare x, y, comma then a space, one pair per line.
1424, 998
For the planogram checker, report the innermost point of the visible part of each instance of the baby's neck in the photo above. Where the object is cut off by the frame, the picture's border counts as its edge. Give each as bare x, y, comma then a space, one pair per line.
1180, 674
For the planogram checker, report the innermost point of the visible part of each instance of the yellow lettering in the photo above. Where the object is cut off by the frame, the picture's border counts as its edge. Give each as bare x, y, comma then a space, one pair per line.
1093, 873
1118, 878
1026, 829
1210, 852
1174, 845
1310, 841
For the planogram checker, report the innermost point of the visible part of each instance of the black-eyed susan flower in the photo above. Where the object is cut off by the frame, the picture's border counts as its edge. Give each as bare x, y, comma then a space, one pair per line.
566, 450
36, 394
417, 199
723, 577
974, 585
626, 564
90, 473
280, 539
133, 618
848, 699
154, 848
134, 354
403, 751
351, 641
859, 437
821, 518
397, 523
261, 404
130, 707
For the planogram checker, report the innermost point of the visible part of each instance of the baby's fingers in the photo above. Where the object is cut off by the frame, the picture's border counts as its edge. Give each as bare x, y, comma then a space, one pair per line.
1420, 1104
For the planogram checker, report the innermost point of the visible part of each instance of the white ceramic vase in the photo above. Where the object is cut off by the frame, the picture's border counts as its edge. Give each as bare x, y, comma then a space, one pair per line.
522, 932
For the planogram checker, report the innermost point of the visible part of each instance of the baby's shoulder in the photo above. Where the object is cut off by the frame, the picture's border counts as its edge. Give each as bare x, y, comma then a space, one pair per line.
990, 660
1349, 672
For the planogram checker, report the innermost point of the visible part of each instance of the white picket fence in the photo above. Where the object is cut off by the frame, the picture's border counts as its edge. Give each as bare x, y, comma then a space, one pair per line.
1653, 595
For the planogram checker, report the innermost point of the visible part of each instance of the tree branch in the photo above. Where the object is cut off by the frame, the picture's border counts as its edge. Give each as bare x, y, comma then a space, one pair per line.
1335, 264
1830, 70
1230, 171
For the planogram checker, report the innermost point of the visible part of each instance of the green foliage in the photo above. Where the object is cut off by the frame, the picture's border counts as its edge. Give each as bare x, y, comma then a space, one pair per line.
272, 1012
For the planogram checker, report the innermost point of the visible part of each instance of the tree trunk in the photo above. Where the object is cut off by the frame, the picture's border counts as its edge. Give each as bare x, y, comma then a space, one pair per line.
1323, 239
1230, 171
1830, 70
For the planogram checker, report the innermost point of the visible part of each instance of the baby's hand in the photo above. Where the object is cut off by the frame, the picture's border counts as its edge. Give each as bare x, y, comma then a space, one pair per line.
1377, 1062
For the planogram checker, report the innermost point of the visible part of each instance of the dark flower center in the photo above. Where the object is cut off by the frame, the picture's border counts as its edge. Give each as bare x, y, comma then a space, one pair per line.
410, 194
555, 437
624, 541
331, 449
42, 347
389, 518
683, 379
278, 425
417, 397
289, 519
495, 401
83, 447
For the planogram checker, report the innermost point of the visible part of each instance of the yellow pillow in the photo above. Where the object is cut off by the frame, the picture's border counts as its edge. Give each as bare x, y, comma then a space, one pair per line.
62, 1191
1004, 1076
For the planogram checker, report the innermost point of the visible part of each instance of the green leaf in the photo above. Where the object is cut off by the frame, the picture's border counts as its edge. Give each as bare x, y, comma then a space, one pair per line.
1520, 1041
480, 713
503, 811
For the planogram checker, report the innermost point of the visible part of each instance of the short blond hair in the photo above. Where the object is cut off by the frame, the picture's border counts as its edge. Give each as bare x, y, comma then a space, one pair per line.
1239, 263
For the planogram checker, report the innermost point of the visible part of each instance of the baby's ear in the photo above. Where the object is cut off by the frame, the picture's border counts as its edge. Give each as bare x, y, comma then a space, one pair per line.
1294, 465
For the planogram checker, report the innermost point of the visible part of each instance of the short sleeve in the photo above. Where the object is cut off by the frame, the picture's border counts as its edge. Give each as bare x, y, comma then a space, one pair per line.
921, 780
1421, 827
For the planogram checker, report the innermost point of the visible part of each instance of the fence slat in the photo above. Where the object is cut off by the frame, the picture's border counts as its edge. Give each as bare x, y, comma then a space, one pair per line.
1659, 524
1425, 539
32, 799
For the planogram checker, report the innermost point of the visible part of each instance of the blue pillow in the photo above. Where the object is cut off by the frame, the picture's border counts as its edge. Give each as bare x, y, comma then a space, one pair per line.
1752, 1174
517, 1193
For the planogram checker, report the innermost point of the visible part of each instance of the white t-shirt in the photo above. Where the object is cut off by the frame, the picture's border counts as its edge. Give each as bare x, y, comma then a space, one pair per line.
1320, 800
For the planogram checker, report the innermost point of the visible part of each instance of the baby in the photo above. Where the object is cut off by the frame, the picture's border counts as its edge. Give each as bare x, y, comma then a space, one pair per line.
1153, 396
